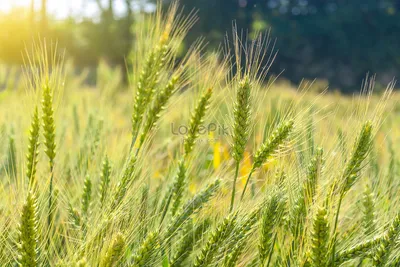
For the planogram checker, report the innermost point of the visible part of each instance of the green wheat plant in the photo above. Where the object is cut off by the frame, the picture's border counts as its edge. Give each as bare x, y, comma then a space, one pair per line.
115, 252
269, 147
241, 127
28, 234
49, 140
319, 239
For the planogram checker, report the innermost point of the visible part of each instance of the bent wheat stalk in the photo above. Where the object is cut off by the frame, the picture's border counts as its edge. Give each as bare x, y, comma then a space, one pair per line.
268, 148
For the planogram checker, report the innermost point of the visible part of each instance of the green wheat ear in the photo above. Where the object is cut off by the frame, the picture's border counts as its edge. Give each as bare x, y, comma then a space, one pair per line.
115, 252
178, 187
74, 216
49, 139
28, 234
313, 174
191, 206
357, 250
147, 251
86, 196
125, 182
273, 143
368, 211
361, 148
242, 113
158, 105
319, 239
269, 147
387, 243
241, 234
191, 235
217, 237
271, 217
196, 120
33, 148
307, 194
145, 87
104, 180
241, 128
48, 125
232, 258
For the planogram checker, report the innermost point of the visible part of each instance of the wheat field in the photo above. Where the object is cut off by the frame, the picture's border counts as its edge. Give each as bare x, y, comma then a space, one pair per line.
203, 160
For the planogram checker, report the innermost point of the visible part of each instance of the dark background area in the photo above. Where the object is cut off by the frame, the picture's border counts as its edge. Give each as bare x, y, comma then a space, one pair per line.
335, 40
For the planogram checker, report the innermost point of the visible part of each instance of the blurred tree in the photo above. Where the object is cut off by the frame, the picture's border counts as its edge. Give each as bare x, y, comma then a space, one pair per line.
338, 40
11, 44
43, 27
32, 15
115, 30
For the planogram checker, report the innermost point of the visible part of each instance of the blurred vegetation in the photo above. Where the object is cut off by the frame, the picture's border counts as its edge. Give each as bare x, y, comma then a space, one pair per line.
338, 41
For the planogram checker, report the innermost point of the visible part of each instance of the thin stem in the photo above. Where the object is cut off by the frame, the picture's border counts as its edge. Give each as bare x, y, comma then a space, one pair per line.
166, 206
335, 226
337, 213
50, 214
247, 182
49, 218
234, 186
134, 137
271, 251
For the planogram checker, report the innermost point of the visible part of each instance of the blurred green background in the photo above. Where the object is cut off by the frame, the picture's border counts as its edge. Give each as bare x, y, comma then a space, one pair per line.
335, 41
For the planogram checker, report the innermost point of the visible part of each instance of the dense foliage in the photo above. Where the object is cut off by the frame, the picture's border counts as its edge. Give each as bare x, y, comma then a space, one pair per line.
335, 40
